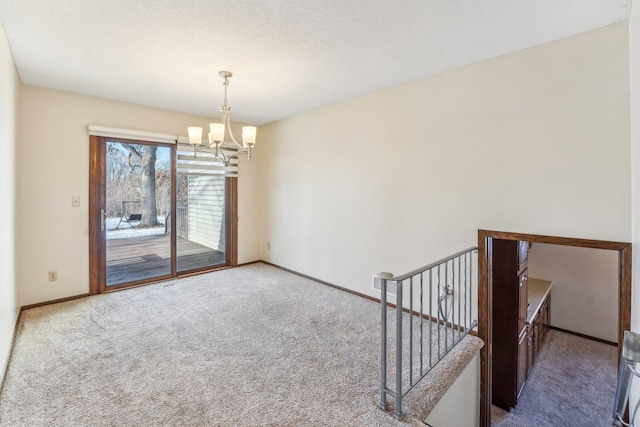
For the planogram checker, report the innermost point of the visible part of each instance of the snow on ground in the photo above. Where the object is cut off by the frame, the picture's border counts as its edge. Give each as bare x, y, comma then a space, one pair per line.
124, 230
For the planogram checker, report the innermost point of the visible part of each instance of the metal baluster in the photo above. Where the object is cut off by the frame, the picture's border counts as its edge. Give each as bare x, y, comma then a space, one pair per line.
453, 302
471, 281
430, 316
383, 344
439, 311
465, 293
411, 331
471, 293
444, 314
398, 393
459, 296
421, 321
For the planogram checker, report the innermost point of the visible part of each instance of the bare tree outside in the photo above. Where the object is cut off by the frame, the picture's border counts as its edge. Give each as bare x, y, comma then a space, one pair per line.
138, 184
144, 156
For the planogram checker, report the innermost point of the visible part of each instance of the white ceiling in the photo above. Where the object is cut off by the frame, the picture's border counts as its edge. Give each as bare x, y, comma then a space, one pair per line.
287, 56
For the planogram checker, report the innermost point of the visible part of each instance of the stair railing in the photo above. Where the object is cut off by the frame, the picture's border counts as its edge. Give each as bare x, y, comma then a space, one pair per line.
449, 288
629, 358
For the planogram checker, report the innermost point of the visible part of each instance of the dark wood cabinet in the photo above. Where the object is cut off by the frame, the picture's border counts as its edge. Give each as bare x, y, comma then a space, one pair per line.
524, 346
509, 309
521, 318
539, 326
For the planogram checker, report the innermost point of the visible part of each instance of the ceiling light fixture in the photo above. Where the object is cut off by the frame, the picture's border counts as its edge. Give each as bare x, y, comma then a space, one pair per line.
217, 132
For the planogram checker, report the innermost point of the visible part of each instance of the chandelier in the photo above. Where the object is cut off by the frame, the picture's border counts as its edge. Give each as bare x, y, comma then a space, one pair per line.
216, 133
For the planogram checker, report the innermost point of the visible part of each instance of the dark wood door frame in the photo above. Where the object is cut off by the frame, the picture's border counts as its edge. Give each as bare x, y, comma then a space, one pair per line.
97, 181
485, 296
231, 221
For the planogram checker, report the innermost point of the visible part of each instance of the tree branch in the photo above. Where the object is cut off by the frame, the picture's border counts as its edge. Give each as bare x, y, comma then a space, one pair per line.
131, 149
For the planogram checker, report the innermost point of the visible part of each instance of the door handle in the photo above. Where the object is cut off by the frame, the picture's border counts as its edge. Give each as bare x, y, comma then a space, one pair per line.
103, 216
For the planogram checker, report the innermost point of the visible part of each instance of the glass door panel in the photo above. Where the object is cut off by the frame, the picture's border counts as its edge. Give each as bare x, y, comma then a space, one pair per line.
137, 212
201, 204
200, 222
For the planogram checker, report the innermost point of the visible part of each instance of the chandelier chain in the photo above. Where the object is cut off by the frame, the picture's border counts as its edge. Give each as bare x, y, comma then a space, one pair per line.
226, 86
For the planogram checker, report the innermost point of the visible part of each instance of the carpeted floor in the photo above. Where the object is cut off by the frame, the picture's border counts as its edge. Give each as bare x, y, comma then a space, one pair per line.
572, 384
250, 346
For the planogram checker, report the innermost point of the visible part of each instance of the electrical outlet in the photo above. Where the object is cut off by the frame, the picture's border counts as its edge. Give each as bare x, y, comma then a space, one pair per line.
75, 202
53, 275
269, 246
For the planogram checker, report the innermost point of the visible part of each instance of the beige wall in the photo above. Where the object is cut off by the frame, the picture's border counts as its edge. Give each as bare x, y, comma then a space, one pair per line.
53, 166
535, 142
9, 93
634, 66
584, 297
465, 391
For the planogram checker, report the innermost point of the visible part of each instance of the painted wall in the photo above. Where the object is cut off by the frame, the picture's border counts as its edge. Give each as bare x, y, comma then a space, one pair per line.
9, 94
53, 166
536, 142
634, 67
584, 297
447, 412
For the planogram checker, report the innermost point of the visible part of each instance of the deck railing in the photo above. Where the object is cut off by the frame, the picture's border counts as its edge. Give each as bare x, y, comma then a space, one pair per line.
430, 319
182, 220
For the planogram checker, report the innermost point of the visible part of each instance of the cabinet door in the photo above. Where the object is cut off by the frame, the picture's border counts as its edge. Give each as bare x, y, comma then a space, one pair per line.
547, 319
523, 362
537, 339
541, 324
523, 255
531, 348
523, 301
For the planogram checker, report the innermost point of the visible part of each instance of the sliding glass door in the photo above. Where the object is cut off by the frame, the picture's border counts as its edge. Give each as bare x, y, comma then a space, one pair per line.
156, 212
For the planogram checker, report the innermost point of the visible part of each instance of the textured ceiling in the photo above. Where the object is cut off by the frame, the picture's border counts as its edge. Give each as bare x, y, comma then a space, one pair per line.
287, 56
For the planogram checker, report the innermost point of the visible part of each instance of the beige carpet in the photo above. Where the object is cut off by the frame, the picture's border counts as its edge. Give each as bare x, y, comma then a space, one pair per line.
251, 346
573, 383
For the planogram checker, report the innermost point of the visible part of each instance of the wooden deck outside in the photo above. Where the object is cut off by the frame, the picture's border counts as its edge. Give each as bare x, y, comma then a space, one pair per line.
139, 258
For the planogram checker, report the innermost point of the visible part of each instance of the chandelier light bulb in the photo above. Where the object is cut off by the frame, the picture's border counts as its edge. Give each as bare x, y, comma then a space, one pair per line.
216, 133
195, 135
249, 136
